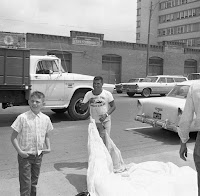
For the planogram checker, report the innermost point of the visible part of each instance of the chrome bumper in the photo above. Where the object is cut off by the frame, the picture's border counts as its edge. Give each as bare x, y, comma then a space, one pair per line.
157, 123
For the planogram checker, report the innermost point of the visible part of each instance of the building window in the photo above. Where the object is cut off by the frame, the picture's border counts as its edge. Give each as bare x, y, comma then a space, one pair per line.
138, 23
181, 15
189, 13
185, 13
168, 17
193, 12
137, 36
139, 12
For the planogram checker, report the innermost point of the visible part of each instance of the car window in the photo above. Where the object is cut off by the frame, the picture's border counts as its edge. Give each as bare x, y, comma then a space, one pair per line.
46, 67
133, 80
179, 91
194, 76
180, 79
170, 80
162, 80
141, 79
150, 79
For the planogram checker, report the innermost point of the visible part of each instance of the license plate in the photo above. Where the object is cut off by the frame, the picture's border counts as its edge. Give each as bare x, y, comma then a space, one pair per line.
156, 115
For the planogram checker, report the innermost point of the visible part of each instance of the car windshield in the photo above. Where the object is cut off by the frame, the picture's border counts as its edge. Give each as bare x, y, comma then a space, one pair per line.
179, 91
150, 79
133, 80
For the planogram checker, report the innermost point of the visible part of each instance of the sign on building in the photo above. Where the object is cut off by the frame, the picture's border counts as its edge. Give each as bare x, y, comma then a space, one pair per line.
12, 40
89, 41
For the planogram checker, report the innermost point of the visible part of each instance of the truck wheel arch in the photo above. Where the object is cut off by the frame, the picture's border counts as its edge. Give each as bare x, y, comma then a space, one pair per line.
74, 106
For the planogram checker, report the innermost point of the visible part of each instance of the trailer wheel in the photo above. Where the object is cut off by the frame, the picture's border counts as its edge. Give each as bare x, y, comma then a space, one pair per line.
59, 111
74, 108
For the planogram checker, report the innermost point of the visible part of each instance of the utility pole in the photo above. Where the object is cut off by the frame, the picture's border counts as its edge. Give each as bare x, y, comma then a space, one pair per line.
148, 40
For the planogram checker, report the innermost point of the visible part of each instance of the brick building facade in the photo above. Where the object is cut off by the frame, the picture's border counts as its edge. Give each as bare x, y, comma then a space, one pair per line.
88, 53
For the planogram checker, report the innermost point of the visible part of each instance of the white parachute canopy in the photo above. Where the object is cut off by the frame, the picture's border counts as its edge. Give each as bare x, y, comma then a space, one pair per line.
107, 175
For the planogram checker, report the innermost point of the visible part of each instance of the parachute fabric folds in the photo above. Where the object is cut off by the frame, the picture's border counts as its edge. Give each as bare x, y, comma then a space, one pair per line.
107, 175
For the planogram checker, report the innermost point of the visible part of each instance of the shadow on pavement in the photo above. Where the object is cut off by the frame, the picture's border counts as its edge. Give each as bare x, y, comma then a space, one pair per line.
160, 134
78, 181
75, 165
56, 118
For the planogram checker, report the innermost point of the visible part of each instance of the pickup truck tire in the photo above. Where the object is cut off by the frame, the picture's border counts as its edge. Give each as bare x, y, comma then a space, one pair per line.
59, 111
146, 92
130, 94
74, 108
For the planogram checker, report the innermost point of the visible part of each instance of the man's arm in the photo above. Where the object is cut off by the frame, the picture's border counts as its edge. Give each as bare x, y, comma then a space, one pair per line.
183, 151
112, 107
84, 106
109, 112
16, 144
185, 123
47, 143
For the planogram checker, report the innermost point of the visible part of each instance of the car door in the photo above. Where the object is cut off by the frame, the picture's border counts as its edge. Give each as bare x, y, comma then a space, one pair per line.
170, 83
49, 80
161, 86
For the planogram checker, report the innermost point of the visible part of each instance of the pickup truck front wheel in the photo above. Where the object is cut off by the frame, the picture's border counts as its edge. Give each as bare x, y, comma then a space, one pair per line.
74, 108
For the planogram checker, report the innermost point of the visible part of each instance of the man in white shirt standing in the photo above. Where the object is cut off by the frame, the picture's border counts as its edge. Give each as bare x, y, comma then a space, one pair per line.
192, 107
101, 104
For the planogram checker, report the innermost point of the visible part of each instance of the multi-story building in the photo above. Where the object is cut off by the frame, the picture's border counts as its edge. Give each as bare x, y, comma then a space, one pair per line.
168, 20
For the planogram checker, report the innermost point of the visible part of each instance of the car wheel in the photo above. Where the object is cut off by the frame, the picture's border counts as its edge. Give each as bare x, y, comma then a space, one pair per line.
59, 111
74, 108
119, 92
146, 92
130, 94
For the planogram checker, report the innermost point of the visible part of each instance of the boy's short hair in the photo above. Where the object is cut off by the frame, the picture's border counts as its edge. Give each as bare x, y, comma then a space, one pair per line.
98, 78
37, 94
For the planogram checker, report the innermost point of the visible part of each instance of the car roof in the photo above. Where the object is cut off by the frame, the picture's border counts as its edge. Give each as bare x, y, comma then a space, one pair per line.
171, 76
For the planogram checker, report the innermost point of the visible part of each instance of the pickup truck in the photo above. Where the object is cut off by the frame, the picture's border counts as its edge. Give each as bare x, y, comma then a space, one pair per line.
22, 73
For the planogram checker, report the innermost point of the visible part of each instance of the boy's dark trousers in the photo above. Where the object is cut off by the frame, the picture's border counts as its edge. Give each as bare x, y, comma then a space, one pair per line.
29, 170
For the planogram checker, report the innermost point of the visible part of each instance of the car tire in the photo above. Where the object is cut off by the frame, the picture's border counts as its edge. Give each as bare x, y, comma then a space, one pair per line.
59, 111
119, 92
162, 94
74, 110
146, 92
130, 94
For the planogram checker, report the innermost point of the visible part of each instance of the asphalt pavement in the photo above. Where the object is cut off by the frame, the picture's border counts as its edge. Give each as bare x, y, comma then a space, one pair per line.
63, 174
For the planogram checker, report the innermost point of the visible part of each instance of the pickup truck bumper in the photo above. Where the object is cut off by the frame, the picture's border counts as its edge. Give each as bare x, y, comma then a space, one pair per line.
157, 123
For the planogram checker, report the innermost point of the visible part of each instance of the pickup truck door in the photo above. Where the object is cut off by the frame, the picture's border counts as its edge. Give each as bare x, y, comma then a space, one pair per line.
49, 80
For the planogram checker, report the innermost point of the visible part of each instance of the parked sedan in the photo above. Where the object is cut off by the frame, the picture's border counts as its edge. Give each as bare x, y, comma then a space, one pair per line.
160, 84
109, 87
166, 111
121, 87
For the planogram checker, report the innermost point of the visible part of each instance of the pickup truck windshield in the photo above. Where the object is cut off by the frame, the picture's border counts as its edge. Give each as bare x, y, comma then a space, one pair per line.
47, 66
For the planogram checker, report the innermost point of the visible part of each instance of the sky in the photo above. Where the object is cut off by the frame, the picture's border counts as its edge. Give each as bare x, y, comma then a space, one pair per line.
116, 19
